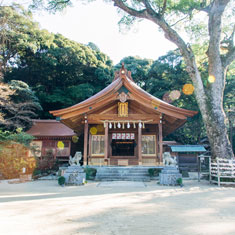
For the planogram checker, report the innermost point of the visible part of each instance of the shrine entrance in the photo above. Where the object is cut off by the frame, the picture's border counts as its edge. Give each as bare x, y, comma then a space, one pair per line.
123, 147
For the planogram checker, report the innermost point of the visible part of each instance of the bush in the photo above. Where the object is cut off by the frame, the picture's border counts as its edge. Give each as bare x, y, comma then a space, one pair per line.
179, 181
61, 180
90, 173
154, 172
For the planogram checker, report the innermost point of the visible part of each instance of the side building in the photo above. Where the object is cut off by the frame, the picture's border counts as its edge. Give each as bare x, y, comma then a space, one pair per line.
52, 138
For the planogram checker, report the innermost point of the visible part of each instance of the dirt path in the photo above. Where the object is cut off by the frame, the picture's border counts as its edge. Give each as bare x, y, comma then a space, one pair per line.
44, 208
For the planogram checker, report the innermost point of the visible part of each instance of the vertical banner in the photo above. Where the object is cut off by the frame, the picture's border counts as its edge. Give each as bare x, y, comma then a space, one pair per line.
128, 136
114, 136
123, 136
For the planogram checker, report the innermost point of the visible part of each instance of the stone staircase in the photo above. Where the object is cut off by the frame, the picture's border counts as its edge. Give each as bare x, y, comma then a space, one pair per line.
117, 173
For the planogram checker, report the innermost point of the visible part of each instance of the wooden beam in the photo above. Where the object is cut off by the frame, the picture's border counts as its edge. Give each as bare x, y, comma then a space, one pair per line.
114, 117
139, 145
85, 143
106, 143
160, 141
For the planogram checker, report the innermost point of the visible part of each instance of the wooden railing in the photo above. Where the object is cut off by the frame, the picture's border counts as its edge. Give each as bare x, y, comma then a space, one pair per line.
222, 172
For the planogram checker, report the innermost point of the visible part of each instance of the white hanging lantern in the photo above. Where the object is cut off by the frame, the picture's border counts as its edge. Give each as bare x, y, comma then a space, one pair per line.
140, 125
119, 125
128, 125
110, 125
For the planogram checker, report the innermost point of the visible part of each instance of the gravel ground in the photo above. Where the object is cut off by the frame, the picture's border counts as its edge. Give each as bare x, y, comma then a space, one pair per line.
44, 208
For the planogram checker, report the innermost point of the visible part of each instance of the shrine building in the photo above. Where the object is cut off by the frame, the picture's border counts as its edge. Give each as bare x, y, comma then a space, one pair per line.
123, 124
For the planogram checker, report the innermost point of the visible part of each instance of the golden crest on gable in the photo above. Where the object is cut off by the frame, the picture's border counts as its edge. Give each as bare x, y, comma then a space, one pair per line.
122, 109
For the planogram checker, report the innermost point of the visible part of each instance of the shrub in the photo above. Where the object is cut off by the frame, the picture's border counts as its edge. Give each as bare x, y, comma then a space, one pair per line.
154, 172
61, 180
179, 181
90, 173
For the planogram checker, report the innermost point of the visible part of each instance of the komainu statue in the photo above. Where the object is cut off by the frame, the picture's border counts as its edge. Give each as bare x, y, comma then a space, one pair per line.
168, 160
73, 161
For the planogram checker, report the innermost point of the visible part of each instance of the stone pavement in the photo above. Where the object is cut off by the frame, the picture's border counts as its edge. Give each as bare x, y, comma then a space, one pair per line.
122, 184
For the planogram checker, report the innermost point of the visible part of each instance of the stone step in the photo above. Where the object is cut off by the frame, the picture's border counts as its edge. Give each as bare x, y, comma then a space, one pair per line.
123, 179
122, 173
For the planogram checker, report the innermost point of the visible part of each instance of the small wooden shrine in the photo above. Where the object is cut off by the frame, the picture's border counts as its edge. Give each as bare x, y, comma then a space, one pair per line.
123, 124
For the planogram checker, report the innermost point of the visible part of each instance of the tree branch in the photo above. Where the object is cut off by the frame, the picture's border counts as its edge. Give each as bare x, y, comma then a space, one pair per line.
229, 58
163, 8
179, 21
54, 5
129, 10
229, 45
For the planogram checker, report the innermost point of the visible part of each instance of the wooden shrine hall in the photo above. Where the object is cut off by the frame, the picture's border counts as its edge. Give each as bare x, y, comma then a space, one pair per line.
123, 124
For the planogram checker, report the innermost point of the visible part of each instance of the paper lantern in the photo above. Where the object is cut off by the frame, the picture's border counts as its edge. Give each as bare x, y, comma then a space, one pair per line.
174, 95
60, 145
93, 130
75, 139
188, 89
166, 98
211, 79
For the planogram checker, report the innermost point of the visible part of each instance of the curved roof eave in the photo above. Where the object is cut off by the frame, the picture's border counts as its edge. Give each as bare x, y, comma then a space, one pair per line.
115, 85
162, 104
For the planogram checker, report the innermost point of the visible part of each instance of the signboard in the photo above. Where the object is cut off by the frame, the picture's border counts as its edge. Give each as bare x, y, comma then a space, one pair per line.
123, 136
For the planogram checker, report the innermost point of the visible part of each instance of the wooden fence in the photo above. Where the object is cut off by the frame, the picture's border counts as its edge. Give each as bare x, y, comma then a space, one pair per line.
222, 172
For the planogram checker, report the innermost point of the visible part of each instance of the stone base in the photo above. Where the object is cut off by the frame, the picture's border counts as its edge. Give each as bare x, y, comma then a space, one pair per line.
74, 175
169, 175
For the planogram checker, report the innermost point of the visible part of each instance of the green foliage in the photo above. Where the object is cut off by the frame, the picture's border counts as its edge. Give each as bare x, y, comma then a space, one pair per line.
21, 137
179, 181
61, 180
18, 35
139, 69
90, 173
62, 72
154, 172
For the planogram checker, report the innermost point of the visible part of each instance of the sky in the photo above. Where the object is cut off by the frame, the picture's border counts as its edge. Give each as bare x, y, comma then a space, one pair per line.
97, 22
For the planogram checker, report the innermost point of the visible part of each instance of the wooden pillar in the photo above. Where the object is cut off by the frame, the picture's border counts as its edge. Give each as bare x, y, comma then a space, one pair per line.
106, 143
139, 144
160, 140
85, 143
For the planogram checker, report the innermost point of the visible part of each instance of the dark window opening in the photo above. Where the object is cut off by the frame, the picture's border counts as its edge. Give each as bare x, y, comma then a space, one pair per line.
123, 147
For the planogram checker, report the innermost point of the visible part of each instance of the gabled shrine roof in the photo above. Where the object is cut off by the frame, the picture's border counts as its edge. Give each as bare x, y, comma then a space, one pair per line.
123, 82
